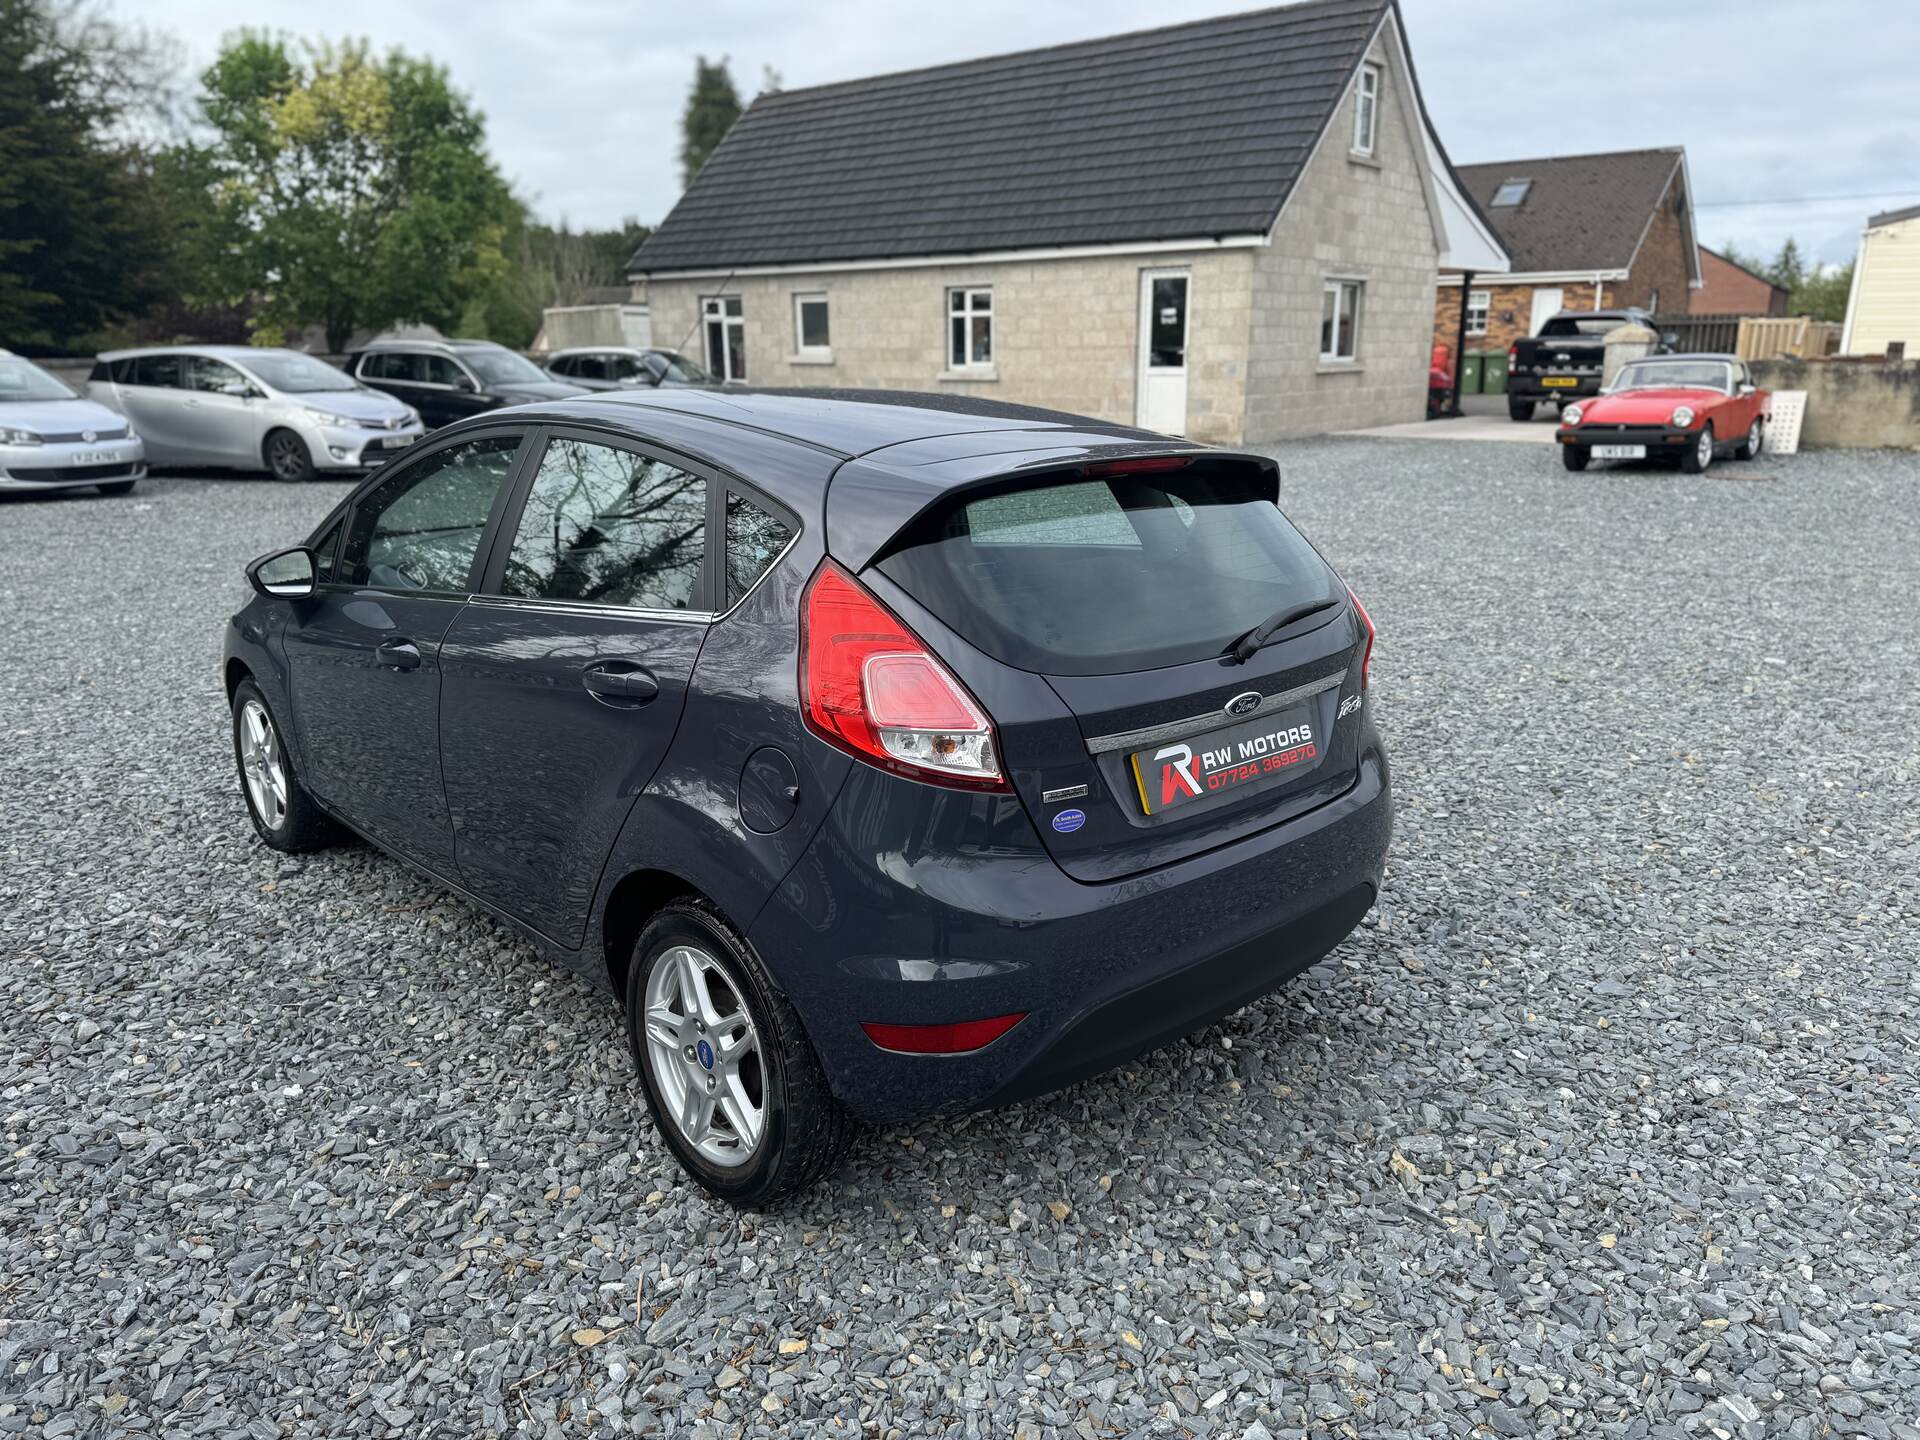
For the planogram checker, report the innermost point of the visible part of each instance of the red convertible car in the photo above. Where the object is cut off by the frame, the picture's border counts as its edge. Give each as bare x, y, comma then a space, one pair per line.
1693, 408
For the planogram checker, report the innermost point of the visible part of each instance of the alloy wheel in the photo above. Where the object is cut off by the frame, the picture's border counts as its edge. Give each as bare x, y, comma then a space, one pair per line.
703, 1053
262, 766
1753, 439
1703, 448
283, 453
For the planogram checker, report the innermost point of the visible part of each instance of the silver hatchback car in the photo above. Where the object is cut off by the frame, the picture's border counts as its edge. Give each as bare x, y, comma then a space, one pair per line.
244, 408
53, 438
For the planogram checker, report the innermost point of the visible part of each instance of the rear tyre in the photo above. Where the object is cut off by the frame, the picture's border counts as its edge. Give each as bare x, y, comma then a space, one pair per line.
1519, 409
1575, 457
117, 487
1700, 454
732, 1081
1755, 442
287, 457
282, 812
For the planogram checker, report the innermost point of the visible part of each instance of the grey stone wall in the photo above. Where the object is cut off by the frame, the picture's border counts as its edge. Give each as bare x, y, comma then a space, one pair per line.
1851, 404
1350, 218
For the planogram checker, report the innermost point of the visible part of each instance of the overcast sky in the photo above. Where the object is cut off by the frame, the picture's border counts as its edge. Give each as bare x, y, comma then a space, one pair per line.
1774, 100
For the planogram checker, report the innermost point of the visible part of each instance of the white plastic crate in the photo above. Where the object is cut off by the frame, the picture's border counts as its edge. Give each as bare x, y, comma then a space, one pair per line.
1783, 430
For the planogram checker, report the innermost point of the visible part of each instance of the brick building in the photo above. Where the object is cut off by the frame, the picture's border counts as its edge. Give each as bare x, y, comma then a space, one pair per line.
1229, 229
1586, 232
1730, 289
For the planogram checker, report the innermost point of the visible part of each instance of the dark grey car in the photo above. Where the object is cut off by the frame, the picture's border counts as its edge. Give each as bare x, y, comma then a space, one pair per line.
623, 367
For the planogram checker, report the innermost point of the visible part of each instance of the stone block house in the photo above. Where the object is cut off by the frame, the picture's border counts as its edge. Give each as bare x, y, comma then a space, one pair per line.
1229, 229
1585, 232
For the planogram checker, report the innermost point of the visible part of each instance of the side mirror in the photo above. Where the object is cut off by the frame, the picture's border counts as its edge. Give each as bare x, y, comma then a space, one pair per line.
465, 382
1746, 389
283, 575
1671, 339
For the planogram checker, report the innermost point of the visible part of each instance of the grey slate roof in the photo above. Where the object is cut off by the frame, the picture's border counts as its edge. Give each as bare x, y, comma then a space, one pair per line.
1191, 131
1584, 212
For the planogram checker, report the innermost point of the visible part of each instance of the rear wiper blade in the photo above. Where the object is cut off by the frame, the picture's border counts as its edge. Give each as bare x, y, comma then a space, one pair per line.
1242, 649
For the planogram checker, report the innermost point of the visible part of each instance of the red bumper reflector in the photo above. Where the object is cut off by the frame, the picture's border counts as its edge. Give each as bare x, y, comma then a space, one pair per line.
954, 1039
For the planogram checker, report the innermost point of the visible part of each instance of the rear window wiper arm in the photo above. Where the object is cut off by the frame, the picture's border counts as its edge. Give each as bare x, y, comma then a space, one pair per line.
1241, 650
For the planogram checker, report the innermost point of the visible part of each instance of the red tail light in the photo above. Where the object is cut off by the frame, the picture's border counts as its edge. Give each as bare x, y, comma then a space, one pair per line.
869, 686
1366, 622
1145, 465
1513, 354
954, 1039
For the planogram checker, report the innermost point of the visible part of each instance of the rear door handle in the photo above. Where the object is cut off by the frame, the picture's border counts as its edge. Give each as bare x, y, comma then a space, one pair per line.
398, 654
628, 682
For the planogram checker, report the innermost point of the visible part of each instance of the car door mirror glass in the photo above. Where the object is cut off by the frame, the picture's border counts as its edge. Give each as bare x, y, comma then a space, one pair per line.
465, 382
1746, 388
284, 575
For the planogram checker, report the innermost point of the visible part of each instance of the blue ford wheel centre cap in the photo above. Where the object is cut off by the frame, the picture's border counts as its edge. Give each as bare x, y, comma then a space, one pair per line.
705, 1052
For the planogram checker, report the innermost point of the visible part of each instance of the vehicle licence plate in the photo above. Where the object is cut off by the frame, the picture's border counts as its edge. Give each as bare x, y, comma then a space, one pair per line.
95, 457
1619, 452
1254, 753
396, 442
1560, 382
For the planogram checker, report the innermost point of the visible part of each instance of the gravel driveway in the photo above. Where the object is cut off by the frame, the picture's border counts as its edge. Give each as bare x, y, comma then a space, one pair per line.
1605, 1124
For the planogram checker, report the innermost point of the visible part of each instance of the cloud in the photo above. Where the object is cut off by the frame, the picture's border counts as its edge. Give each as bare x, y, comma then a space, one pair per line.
1773, 100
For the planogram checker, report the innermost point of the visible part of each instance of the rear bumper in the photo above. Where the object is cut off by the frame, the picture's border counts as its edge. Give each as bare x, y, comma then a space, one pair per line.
1529, 387
1102, 972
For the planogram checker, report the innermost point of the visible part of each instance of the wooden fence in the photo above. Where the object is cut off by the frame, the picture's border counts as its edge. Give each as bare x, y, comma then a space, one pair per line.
1751, 337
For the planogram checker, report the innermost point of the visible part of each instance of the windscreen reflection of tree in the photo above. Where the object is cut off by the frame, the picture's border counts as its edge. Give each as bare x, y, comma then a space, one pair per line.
606, 526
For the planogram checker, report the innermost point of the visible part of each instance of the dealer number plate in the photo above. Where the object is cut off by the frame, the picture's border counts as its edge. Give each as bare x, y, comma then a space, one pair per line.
1619, 452
1258, 752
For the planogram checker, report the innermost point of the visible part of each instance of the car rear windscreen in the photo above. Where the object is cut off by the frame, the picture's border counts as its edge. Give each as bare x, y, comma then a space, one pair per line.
1102, 576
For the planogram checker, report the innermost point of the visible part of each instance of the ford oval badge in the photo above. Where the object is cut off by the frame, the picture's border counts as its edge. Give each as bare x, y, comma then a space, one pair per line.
1068, 821
1244, 704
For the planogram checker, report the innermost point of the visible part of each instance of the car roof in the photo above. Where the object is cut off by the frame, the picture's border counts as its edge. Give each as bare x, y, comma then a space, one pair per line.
240, 353
1695, 355
613, 350
844, 423
373, 345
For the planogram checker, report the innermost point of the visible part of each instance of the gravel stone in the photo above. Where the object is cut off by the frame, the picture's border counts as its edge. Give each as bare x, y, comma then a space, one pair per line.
302, 1147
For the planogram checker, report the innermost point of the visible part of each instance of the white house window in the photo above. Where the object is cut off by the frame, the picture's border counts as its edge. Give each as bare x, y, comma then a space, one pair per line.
1340, 321
812, 334
725, 324
969, 329
1366, 110
1479, 304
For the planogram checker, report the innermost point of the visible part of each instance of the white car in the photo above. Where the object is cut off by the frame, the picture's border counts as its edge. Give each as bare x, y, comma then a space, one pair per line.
238, 407
53, 438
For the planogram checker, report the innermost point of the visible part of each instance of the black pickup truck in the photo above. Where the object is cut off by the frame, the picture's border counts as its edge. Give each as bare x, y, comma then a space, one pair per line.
1565, 360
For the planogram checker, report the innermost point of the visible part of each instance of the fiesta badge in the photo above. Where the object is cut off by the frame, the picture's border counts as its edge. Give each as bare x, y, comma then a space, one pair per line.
1068, 821
1244, 704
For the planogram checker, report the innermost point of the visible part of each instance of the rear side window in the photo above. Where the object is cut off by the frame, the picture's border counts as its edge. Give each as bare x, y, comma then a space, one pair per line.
605, 526
1103, 576
754, 541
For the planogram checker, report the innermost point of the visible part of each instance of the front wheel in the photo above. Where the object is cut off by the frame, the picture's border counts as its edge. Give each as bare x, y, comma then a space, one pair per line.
1756, 440
1519, 409
287, 457
1700, 455
282, 812
733, 1083
1575, 457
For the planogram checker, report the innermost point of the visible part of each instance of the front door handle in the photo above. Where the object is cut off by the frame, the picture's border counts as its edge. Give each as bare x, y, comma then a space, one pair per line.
398, 654
627, 682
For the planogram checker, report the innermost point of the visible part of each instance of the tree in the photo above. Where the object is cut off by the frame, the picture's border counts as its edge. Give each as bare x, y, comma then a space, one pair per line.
712, 107
357, 190
1788, 271
1823, 293
74, 255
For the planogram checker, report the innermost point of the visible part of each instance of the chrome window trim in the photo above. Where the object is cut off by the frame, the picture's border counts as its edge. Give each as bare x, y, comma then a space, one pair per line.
588, 607
1214, 719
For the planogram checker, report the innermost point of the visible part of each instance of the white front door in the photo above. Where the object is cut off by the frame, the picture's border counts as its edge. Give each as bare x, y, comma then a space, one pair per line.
1162, 391
1546, 304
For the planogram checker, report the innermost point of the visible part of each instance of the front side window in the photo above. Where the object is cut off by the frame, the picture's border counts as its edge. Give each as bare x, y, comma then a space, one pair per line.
604, 526
1366, 110
421, 528
1340, 320
724, 320
1479, 307
970, 329
812, 337
755, 539
439, 370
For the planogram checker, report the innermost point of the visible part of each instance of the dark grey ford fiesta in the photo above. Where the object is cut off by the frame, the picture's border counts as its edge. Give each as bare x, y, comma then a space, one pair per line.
885, 754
